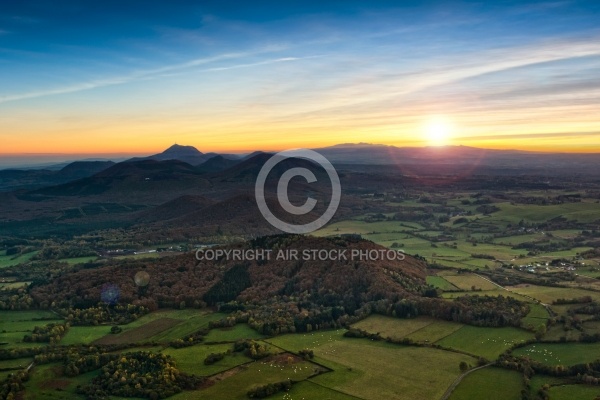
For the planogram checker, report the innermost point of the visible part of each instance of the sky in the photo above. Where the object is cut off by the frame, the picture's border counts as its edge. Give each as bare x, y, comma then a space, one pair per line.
133, 77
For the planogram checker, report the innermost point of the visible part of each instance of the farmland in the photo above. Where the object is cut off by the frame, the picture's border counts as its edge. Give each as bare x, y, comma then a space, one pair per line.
490, 383
560, 353
473, 254
484, 342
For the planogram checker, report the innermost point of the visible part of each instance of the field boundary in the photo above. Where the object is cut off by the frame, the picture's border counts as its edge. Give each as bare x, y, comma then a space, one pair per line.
458, 380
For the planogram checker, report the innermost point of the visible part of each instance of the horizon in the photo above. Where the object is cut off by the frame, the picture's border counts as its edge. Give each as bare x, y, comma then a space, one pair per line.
512, 76
38, 160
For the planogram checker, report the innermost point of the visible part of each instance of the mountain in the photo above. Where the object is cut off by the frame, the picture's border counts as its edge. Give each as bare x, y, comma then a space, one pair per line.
365, 153
187, 154
217, 163
15, 179
82, 169
153, 180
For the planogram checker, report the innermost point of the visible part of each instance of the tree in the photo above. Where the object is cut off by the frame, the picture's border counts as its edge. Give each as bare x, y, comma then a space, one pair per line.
540, 332
463, 366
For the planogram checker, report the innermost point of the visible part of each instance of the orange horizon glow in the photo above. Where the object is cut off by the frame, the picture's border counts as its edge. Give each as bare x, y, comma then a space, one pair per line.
149, 149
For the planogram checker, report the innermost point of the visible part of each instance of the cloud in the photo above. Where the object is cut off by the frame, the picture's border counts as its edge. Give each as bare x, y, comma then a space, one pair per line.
544, 135
151, 73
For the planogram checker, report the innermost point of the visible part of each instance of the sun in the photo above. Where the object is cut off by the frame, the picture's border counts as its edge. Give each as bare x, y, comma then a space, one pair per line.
438, 131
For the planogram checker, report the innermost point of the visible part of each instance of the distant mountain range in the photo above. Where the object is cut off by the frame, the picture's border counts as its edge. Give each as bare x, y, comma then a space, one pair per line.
410, 161
15, 179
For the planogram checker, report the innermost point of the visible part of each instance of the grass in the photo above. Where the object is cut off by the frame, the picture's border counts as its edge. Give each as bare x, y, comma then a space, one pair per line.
191, 323
395, 328
418, 372
561, 353
420, 329
15, 324
468, 281
15, 285
9, 261
547, 294
47, 382
574, 392
78, 260
435, 331
85, 334
141, 333
363, 368
239, 331
485, 342
236, 386
310, 390
490, 384
191, 359
497, 292
440, 283
538, 315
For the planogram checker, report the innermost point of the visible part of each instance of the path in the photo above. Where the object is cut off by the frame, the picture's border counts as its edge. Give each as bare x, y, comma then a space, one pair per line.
459, 379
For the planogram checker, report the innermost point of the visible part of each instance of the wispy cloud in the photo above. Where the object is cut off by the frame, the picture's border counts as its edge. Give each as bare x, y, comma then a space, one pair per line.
152, 73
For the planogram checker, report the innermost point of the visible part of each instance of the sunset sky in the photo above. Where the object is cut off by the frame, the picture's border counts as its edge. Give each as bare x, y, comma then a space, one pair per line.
134, 77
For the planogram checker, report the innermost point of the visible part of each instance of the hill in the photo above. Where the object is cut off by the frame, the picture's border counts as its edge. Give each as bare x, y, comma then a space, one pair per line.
302, 290
157, 179
187, 154
18, 179
176, 208
217, 163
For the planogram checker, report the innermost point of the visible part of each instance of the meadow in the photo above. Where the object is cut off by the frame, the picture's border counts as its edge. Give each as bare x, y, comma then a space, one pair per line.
560, 353
491, 384
485, 342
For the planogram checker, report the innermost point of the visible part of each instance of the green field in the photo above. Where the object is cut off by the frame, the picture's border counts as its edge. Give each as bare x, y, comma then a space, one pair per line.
561, 353
470, 281
538, 315
85, 334
440, 283
574, 392
191, 359
9, 261
395, 328
363, 367
78, 260
236, 383
239, 331
47, 382
420, 329
310, 390
548, 294
417, 372
485, 342
15, 324
491, 384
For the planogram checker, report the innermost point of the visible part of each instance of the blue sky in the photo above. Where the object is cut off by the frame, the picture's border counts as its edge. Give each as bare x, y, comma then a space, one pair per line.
136, 76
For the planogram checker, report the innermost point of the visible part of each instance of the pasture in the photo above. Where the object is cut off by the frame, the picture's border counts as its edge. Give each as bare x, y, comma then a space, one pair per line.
239, 331
235, 383
484, 342
491, 384
548, 294
362, 367
560, 353
470, 282
574, 392
420, 329
191, 359
419, 372
440, 283
9, 261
